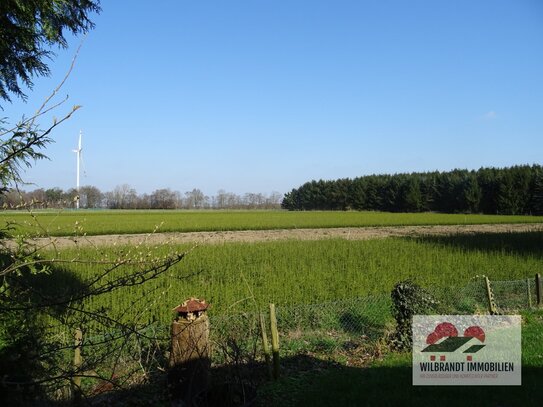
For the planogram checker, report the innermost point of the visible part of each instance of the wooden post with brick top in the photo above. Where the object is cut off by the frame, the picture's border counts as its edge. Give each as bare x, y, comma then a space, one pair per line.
190, 353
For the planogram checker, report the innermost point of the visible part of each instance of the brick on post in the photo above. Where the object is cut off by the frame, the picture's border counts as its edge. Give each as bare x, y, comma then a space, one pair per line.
190, 354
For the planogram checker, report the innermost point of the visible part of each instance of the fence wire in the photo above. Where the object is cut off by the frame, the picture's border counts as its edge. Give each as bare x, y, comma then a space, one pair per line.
514, 295
343, 324
328, 326
326, 329
469, 299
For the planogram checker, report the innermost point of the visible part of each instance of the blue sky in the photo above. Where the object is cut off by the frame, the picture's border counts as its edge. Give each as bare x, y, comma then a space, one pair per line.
261, 96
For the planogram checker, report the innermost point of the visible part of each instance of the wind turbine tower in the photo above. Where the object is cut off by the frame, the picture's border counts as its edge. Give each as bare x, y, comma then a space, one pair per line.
78, 152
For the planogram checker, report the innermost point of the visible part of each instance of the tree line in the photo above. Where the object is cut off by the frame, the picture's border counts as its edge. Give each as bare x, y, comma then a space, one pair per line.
516, 190
126, 197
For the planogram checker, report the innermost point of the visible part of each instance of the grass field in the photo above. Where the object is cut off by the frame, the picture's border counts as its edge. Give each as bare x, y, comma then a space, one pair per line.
234, 277
245, 277
350, 386
122, 222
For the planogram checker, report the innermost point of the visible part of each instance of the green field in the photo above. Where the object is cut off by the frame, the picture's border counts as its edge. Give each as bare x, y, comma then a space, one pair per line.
104, 222
332, 385
239, 279
235, 277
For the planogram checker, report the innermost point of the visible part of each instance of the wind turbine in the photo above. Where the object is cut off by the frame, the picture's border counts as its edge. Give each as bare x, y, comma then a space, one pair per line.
78, 152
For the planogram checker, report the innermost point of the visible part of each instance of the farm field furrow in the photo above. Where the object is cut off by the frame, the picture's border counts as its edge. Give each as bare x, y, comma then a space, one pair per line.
69, 223
251, 236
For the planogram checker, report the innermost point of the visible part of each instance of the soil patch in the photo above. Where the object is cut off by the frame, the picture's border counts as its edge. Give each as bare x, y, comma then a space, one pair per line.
357, 233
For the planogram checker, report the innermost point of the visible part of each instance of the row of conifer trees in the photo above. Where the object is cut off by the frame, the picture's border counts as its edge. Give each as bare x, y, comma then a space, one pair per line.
514, 190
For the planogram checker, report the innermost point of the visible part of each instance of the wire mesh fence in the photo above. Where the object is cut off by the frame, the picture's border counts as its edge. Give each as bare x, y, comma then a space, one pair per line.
348, 323
328, 329
336, 324
333, 325
514, 295
469, 299
509, 295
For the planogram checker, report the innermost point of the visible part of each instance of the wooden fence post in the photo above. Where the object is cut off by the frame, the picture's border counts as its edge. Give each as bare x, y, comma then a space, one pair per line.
492, 308
538, 289
265, 345
190, 355
76, 379
275, 341
529, 293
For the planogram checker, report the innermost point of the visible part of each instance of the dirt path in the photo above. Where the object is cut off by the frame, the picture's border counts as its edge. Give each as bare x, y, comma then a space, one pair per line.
362, 233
